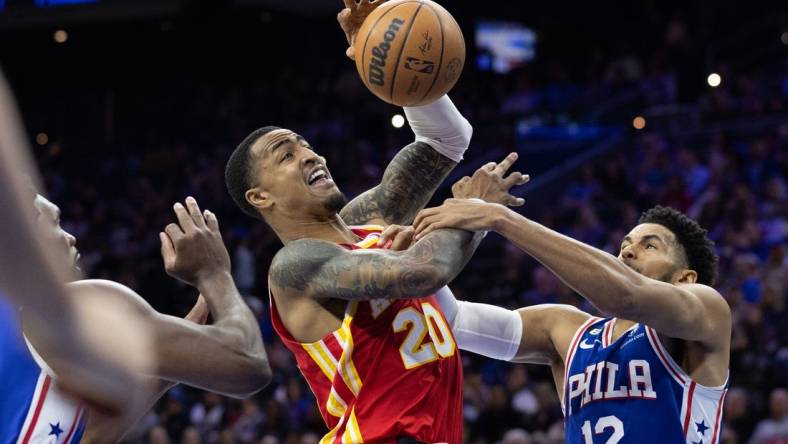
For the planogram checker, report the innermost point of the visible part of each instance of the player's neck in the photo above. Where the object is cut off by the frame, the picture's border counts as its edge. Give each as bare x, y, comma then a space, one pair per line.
621, 327
332, 229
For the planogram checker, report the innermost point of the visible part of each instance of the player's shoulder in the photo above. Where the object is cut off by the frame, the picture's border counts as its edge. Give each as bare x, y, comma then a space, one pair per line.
562, 321
705, 292
105, 290
98, 285
296, 262
559, 315
716, 305
304, 252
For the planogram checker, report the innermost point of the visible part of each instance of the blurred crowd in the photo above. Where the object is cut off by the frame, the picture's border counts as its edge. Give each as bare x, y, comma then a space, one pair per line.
729, 173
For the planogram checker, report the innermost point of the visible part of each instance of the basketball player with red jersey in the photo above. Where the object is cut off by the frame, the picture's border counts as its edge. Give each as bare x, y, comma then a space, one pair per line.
362, 322
367, 335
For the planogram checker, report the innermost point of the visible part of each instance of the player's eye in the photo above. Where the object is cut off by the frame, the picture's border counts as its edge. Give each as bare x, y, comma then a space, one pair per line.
286, 156
652, 246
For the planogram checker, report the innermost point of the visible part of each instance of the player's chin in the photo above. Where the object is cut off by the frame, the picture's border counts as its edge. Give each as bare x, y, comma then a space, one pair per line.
335, 201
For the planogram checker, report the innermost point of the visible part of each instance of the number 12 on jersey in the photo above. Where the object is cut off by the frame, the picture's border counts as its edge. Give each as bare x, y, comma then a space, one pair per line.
414, 350
602, 424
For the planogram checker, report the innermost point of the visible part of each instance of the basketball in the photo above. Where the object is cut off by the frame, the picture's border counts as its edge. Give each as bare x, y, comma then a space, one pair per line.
410, 52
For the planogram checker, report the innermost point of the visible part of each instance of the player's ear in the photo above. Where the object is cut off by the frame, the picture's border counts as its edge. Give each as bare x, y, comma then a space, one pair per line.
686, 276
258, 198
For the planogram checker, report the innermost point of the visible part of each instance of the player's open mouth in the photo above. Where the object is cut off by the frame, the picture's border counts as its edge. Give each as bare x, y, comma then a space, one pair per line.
319, 178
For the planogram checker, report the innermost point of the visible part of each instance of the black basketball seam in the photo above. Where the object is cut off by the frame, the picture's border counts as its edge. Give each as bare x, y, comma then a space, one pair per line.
402, 48
462, 37
366, 41
440, 60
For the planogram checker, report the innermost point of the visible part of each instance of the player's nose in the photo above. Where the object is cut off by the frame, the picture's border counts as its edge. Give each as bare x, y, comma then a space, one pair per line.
309, 158
628, 252
71, 240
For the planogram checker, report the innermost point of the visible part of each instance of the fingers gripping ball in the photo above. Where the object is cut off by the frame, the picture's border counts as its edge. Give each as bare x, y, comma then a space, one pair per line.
410, 52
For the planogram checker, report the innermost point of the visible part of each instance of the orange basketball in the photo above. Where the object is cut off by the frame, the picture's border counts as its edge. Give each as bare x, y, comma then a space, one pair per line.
410, 52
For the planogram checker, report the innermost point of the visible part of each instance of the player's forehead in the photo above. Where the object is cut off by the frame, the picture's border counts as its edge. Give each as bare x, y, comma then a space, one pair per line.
272, 140
46, 207
651, 231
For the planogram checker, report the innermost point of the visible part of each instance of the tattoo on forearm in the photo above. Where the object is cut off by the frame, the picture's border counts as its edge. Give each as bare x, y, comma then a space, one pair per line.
323, 270
408, 184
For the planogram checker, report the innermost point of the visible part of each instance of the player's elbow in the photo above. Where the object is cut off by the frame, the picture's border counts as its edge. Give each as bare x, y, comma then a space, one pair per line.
423, 280
260, 377
442, 274
626, 305
252, 374
621, 300
245, 360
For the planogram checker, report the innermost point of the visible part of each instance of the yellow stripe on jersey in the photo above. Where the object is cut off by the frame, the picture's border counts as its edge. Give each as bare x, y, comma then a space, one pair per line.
352, 433
322, 357
332, 434
346, 367
370, 227
335, 404
371, 238
368, 241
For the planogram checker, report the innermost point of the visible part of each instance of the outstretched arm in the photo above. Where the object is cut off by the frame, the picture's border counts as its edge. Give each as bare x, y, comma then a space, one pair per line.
410, 180
686, 311
408, 184
692, 312
539, 334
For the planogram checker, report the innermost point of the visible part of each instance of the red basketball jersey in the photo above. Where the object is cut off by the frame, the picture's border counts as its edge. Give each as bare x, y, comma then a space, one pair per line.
392, 369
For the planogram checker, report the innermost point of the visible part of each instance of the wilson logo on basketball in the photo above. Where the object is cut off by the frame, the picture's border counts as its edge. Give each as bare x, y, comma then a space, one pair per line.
381, 52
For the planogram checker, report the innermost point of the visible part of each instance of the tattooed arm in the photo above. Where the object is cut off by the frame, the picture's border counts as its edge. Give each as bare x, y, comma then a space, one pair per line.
408, 184
442, 136
319, 269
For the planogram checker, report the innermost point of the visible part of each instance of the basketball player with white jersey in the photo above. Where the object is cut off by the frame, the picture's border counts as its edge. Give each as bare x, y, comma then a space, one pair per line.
32, 274
655, 369
226, 357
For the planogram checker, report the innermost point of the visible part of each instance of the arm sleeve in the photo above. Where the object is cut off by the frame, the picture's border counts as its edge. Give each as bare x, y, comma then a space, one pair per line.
441, 126
485, 329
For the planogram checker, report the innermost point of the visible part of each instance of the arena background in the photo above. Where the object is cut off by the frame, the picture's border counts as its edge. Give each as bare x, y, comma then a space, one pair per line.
132, 105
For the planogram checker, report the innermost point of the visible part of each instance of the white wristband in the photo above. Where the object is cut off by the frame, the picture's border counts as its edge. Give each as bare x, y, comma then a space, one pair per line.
441, 126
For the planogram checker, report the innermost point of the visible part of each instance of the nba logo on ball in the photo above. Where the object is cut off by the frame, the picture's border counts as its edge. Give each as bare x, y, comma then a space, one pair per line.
409, 52
414, 64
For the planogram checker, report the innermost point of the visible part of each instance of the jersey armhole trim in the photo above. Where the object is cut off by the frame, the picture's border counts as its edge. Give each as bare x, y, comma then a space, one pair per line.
674, 369
570, 354
38, 359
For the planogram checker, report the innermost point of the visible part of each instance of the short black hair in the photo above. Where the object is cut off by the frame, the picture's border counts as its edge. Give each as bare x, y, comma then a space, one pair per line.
238, 171
692, 238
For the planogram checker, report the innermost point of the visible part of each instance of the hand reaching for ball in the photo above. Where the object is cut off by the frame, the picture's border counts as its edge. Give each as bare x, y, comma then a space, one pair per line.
351, 18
